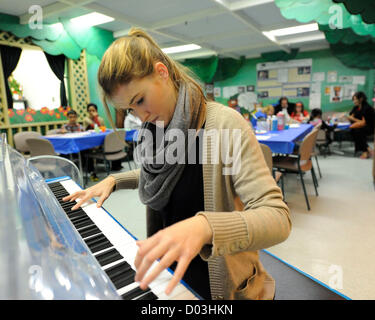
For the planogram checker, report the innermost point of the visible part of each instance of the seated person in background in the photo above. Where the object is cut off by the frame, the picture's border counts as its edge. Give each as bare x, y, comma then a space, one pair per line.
93, 118
269, 110
299, 113
362, 119
72, 125
285, 106
132, 122
316, 118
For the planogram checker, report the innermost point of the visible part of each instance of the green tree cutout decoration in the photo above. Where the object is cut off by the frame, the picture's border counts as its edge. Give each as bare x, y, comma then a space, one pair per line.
15, 87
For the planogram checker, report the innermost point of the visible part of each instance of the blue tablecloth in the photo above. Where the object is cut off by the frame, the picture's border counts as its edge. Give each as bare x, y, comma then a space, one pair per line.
66, 144
283, 141
73, 143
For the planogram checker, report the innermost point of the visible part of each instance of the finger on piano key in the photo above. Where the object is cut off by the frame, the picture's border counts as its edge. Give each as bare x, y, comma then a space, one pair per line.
163, 264
182, 265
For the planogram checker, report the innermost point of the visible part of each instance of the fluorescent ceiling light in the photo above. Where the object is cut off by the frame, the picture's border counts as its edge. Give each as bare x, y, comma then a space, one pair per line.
57, 26
91, 19
293, 30
184, 48
313, 37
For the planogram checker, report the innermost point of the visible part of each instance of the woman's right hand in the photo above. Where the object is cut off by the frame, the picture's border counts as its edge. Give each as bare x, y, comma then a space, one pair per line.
102, 190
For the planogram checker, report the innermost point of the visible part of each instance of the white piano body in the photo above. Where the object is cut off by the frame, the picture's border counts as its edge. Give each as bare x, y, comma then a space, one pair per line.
49, 252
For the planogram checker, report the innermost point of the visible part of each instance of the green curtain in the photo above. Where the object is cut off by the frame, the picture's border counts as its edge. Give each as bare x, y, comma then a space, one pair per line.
280, 55
357, 55
227, 68
204, 69
214, 69
366, 8
324, 12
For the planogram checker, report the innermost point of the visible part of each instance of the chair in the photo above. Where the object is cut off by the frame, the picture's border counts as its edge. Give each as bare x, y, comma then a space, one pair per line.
53, 167
52, 132
314, 153
113, 149
20, 140
278, 176
322, 143
300, 164
40, 146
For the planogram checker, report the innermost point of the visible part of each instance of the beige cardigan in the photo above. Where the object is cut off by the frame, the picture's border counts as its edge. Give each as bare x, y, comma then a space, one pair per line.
245, 211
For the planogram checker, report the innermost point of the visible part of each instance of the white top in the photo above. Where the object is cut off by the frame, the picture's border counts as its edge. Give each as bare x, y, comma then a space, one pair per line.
132, 122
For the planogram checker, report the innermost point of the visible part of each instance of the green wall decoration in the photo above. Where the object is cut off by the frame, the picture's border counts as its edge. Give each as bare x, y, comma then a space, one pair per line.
346, 36
323, 12
366, 8
67, 39
280, 55
204, 69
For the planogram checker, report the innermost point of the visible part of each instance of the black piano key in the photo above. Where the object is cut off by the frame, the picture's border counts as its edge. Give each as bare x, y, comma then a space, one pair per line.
148, 296
108, 257
75, 215
79, 218
98, 243
60, 193
134, 293
83, 223
123, 280
100, 246
118, 269
89, 231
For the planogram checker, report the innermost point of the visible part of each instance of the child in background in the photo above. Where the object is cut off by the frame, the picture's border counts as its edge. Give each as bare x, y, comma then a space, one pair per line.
269, 110
316, 118
72, 125
300, 114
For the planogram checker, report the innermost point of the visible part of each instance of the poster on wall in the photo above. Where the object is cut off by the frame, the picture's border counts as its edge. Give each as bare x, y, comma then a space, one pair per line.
327, 91
349, 90
318, 76
217, 92
336, 94
291, 78
345, 79
209, 88
241, 89
359, 80
332, 76
250, 88
315, 100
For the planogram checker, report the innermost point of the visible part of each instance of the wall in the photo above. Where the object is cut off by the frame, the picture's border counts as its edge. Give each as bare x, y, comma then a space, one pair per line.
323, 61
92, 73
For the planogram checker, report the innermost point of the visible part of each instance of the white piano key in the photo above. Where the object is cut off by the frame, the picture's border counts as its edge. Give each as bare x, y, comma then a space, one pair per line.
127, 288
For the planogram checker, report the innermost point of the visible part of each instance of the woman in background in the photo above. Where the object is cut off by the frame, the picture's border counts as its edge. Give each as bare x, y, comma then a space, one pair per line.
362, 119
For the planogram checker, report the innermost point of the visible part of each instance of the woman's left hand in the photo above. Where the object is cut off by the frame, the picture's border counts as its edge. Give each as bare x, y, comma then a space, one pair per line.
179, 242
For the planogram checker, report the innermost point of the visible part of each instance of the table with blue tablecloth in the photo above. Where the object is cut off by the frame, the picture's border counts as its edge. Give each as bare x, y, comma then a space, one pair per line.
76, 142
283, 141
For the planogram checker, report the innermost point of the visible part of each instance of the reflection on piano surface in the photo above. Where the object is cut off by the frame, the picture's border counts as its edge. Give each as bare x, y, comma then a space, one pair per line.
50, 252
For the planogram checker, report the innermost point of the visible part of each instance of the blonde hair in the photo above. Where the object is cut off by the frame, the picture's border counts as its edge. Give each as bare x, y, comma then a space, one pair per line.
133, 57
268, 108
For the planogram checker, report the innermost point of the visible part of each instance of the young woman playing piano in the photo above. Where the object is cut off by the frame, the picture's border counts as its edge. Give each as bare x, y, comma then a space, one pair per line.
206, 223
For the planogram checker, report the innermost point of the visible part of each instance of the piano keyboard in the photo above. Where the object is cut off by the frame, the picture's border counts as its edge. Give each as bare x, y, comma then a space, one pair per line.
114, 248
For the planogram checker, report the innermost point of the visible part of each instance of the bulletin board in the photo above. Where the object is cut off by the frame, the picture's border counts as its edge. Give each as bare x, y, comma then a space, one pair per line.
284, 78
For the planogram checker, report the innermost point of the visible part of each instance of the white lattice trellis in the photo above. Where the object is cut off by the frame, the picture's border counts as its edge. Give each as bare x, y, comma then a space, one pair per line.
79, 85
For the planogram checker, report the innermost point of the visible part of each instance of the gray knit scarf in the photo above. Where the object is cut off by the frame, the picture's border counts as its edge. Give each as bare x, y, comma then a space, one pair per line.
158, 178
